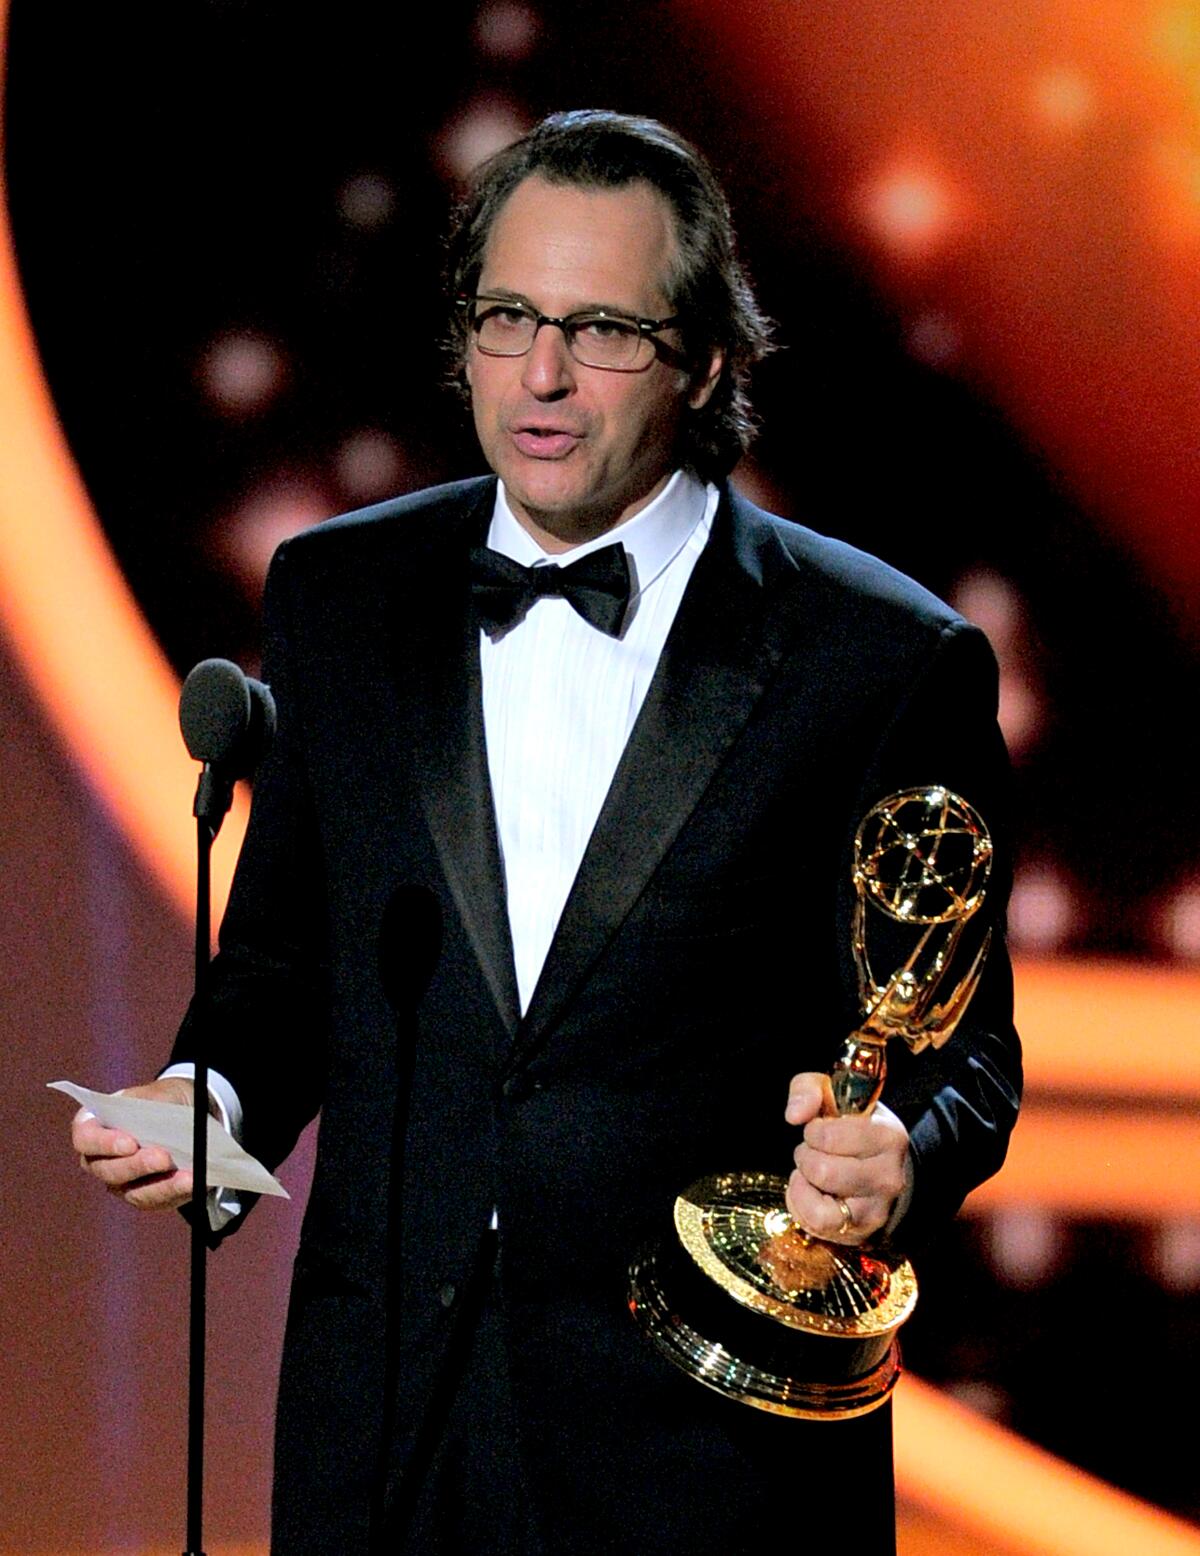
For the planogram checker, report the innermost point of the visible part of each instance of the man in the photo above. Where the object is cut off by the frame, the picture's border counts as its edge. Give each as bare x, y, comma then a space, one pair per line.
545, 897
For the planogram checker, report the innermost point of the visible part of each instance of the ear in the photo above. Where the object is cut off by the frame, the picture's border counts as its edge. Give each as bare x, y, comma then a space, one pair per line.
705, 380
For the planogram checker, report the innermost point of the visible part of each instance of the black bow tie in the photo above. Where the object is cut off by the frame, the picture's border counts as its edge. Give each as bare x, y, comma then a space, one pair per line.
597, 586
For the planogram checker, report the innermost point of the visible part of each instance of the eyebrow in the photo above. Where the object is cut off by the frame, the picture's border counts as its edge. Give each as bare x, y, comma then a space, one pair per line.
503, 294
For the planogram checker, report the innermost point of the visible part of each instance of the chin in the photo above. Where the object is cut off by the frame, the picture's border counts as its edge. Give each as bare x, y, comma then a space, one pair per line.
546, 497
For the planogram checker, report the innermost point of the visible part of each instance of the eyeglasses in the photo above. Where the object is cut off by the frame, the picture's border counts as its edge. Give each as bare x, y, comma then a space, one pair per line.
596, 337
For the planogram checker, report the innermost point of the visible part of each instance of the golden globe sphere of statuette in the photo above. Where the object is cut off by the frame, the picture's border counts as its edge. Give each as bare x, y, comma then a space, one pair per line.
922, 860
745, 1301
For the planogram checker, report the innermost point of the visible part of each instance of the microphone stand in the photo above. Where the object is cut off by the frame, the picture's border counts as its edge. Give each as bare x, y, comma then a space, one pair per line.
227, 721
213, 796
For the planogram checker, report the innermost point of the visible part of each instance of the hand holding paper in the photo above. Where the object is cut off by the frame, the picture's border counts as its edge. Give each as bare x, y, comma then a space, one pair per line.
168, 1125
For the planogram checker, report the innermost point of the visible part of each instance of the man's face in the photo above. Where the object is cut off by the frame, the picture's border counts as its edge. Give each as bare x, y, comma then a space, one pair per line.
580, 448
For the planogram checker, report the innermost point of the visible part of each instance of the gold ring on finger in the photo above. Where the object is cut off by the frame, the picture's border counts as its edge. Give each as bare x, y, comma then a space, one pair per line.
847, 1218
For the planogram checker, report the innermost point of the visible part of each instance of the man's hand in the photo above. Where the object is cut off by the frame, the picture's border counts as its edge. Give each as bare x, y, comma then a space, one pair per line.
853, 1164
141, 1175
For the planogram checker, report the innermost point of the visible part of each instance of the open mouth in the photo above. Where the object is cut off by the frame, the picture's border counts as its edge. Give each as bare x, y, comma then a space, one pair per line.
545, 442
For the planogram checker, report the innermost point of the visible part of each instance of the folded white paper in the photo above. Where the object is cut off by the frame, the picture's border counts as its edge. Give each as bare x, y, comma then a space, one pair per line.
170, 1125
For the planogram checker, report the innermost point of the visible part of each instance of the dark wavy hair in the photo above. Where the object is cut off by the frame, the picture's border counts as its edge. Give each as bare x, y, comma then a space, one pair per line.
706, 285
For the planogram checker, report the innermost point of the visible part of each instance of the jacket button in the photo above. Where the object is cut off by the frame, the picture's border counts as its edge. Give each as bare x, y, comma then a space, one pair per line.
447, 1295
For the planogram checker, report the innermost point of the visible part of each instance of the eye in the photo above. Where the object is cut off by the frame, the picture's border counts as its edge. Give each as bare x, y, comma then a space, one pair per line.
502, 316
603, 327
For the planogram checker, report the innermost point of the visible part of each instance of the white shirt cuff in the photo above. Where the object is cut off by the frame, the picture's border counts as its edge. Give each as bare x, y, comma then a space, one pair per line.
223, 1204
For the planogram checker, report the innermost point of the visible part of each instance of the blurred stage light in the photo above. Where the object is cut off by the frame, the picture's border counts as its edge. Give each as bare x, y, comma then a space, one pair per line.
507, 31
486, 126
1179, 923
1175, 1254
369, 465
1062, 99
994, 603
910, 209
1025, 1247
366, 201
935, 339
1020, 714
273, 512
1043, 913
241, 372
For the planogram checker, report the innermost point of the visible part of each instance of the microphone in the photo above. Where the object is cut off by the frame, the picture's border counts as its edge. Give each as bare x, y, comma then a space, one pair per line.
227, 720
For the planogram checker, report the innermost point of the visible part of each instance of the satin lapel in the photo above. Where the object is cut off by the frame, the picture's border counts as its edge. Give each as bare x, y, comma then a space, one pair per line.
450, 755
723, 648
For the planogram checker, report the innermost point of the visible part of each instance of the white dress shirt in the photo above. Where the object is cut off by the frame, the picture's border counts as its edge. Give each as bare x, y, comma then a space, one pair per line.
560, 699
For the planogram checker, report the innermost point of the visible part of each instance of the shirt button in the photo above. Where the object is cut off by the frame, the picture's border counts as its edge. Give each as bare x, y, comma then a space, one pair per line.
447, 1295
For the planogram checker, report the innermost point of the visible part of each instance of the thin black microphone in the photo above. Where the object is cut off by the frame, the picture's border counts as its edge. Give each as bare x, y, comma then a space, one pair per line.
227, 720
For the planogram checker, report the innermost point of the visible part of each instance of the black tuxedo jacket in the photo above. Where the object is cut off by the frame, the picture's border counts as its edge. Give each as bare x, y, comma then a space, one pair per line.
701, 959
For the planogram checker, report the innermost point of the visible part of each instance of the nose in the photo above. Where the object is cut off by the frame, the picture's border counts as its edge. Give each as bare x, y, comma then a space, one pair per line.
546, 371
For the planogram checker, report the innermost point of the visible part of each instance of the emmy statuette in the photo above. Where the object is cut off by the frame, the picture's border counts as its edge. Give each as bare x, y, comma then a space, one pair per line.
746, 1302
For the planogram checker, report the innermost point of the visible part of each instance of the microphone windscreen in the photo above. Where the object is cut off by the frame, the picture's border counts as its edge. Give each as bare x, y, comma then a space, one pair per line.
227, 719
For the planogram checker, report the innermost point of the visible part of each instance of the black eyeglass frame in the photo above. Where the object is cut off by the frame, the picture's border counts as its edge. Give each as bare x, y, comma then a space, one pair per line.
646, 328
